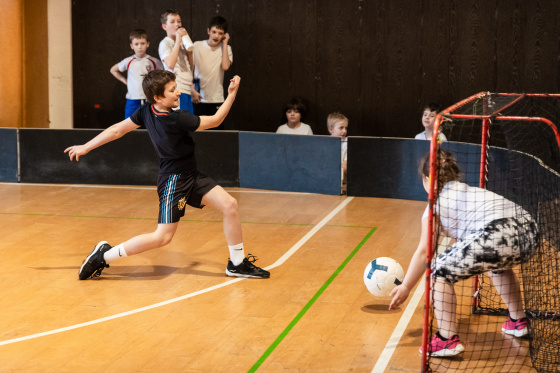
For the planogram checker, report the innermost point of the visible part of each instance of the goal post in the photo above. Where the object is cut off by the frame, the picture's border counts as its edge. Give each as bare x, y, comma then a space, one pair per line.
508, 144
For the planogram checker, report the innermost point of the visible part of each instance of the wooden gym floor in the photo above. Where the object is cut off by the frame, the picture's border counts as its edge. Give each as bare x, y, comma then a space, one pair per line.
174, 310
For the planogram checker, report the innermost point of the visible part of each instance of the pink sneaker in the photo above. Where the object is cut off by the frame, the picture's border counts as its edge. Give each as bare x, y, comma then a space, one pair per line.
517, 328
441, 348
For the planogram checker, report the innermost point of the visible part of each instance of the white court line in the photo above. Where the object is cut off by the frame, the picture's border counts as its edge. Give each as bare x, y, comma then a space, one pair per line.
306, 238
279, 262
145, 188
393, 341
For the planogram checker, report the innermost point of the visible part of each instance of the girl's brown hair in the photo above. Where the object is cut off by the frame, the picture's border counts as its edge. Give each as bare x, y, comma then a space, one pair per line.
448, 168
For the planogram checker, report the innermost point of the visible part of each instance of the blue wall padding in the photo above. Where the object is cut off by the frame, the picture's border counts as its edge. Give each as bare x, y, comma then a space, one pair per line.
377, 167
8, 155
289, 162
130, 160
386, 167
468, 159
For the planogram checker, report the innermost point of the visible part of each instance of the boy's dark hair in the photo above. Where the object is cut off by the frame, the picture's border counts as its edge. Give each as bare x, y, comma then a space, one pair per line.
139, 33
154, 83
295, 104
168, 12
218, 22
432, 106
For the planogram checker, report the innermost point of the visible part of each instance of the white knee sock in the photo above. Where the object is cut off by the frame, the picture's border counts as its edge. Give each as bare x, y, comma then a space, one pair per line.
114, 253
236, 254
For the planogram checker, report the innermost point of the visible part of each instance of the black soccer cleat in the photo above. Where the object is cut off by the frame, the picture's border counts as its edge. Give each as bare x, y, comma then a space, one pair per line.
247, 269
94, 263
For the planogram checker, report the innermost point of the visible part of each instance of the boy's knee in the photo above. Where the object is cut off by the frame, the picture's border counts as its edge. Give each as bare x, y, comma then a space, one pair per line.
163, 238
166, 239
231, 206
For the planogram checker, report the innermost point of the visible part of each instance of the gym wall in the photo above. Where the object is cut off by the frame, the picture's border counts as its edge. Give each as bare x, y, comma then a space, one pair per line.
24, 74
377, 62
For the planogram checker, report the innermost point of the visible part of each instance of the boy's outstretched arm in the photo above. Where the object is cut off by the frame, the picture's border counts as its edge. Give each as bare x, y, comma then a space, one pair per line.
112, 133
217, 119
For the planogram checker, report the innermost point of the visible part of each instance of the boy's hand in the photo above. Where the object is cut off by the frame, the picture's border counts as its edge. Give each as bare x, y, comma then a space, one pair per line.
195, 96
181, 31
225, 40
76, 151
399, 294
234, 85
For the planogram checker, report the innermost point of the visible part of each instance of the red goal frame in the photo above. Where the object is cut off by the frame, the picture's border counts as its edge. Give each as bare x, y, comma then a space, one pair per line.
489, 114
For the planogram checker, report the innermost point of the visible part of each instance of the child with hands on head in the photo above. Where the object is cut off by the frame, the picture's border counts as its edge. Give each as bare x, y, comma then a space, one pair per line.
212, 58
492, 235
179, 181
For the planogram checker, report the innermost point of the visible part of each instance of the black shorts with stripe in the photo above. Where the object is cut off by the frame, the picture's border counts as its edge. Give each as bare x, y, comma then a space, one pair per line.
178, 190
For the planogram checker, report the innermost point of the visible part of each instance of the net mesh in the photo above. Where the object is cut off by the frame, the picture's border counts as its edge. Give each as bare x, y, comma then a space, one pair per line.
521, 176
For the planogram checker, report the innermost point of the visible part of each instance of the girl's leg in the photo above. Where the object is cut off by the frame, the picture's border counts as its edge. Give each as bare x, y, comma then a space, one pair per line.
508, 287
160, 237
227, 205
445, 308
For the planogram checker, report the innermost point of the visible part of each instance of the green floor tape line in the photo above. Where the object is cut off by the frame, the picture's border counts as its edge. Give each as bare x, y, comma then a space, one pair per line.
309, 304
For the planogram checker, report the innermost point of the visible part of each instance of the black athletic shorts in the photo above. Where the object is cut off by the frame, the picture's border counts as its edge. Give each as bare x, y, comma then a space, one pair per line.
178, 190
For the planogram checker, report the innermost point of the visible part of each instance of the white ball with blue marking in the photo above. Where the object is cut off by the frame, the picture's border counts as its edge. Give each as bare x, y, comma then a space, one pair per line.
382, 275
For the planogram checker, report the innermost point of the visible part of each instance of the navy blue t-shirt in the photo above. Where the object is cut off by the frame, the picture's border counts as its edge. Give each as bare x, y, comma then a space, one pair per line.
171, 135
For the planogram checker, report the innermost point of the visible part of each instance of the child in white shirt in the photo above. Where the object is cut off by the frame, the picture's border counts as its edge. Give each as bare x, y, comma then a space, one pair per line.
294, 112
337, 125
428, 119
136, 66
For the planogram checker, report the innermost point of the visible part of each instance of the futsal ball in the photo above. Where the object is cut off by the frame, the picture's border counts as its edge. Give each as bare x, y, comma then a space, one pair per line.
382, 275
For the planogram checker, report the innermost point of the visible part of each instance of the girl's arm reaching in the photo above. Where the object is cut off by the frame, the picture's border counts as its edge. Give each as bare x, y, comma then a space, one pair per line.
416, 269
112, 133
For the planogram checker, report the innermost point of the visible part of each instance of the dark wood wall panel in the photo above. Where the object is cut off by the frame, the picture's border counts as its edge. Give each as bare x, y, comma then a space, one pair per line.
378, 62
374, 55
275, 60
434, 57
338, 65
100, 32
